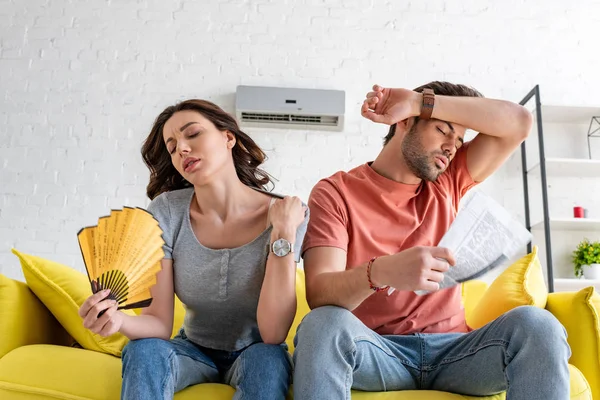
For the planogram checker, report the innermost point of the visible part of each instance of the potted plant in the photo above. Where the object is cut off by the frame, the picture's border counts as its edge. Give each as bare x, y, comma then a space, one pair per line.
586, 259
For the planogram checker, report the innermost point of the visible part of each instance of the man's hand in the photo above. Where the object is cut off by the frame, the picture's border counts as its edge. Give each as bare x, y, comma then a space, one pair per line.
417, 268
388, 106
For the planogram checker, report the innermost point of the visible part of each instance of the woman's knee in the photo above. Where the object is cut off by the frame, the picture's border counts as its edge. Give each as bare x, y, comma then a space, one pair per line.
269, 361
146, 352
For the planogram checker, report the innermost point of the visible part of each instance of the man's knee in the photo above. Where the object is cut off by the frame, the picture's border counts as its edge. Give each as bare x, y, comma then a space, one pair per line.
323, 324
535, 320
540, 325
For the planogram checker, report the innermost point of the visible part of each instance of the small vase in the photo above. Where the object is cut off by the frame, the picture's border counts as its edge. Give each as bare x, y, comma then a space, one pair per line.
591, 271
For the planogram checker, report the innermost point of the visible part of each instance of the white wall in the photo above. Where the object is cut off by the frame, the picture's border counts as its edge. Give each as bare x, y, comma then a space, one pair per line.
81, 82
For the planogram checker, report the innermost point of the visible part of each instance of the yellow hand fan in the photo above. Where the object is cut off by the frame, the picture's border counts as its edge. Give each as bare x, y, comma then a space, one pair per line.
123, 253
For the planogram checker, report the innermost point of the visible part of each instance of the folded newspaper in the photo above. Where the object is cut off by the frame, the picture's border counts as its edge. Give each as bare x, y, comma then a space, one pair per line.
482, 237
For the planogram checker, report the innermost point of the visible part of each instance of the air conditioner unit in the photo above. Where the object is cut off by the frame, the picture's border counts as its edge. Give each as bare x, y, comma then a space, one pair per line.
288, 108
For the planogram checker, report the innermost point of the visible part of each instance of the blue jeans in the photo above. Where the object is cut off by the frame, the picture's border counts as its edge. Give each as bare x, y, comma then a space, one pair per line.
523, 352
157, 368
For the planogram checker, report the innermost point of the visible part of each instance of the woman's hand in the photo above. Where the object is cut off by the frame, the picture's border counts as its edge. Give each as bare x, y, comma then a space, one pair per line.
111, 320
286, 215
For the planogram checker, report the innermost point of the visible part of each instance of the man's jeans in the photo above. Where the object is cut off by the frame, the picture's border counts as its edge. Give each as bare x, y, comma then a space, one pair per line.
523, 352
156, 369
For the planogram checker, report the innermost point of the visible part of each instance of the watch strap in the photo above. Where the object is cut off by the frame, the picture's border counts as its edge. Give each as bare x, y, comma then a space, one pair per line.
428, 103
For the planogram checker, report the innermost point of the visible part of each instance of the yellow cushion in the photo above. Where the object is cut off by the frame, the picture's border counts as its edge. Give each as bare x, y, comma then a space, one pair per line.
579, 386
471, 293
216, 391
521, 284
178, 316
24, 319
62, 290
57, 372
579, 312
420, 395
301, 308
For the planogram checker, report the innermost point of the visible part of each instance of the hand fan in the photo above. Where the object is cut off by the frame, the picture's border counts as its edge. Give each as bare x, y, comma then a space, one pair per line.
123, 253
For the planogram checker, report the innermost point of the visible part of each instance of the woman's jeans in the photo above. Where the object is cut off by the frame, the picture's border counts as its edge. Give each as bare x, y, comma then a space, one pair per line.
157, 368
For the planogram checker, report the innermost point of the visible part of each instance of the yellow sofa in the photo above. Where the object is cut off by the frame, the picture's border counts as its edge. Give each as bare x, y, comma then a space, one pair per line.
38, 361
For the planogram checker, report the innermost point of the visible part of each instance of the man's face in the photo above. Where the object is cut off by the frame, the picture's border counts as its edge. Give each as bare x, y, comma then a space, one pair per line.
430, 145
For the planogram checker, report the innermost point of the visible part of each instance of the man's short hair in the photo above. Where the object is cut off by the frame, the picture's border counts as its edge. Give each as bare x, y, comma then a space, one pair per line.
440, 88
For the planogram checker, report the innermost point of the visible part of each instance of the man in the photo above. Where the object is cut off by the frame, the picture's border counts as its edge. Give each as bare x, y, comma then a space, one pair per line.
378, 225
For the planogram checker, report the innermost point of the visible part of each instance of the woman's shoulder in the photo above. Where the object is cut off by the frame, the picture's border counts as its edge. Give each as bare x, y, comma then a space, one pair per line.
171, 202
276, 196
174, 196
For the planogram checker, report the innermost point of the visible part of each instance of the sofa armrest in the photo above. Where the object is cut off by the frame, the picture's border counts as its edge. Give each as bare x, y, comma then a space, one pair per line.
25, 320
579, 313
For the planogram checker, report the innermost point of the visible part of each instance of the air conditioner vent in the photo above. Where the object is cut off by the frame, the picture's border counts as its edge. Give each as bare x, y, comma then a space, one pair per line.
290, 119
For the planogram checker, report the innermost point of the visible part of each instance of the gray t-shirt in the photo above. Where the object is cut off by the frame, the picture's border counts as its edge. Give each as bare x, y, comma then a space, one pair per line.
219, 288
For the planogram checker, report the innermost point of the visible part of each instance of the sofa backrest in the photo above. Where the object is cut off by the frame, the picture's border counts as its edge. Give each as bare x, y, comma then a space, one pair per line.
25, 320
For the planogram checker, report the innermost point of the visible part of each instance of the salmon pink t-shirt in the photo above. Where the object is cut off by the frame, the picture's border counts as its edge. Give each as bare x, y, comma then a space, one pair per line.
368, 215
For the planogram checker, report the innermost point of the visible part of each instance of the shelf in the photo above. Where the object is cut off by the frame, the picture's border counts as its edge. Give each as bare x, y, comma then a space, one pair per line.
571, 224
570, 285
568, 115
569, 167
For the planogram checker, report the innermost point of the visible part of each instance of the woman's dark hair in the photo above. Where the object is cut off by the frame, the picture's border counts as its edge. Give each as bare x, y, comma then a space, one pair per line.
441, 88
247, 156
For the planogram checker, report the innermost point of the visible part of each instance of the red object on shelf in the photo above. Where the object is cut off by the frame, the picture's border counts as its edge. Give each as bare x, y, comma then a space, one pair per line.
578, 212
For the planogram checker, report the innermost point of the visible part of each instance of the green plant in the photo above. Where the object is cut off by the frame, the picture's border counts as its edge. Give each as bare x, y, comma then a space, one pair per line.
586, 253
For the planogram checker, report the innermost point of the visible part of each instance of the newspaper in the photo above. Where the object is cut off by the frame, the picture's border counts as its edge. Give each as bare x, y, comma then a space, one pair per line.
482, 237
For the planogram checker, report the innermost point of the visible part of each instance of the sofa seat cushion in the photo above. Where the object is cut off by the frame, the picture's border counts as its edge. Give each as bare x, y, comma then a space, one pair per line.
419, 395
59, 372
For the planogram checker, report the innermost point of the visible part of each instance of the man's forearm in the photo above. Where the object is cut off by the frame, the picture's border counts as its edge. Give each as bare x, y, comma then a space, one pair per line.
345, 289
492, 117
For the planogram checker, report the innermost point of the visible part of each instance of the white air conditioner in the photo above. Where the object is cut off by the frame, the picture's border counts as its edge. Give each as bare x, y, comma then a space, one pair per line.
288, 108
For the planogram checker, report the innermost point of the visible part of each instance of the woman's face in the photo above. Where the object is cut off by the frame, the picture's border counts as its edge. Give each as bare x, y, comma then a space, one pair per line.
198, 149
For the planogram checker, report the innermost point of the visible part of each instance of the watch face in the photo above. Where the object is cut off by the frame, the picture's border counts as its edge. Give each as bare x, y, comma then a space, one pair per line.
281, 247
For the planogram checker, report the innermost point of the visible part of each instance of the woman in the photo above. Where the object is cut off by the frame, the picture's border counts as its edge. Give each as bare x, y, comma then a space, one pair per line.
230, 256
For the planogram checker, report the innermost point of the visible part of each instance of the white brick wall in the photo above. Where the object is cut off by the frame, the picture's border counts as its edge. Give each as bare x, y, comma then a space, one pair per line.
81, 83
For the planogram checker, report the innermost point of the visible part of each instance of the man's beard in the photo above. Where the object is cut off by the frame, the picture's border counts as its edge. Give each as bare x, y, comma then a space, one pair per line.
417, 159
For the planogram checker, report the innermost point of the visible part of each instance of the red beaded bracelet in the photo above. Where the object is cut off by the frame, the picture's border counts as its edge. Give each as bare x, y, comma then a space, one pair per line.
371, 285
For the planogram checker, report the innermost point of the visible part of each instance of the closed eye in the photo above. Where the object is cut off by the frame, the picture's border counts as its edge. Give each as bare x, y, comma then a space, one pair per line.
174, 147
170, 143
459, 141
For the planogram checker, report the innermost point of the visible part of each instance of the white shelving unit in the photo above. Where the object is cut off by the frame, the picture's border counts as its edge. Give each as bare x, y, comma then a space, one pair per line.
571, 224
561, 161
569, 285
573, 115
568, 167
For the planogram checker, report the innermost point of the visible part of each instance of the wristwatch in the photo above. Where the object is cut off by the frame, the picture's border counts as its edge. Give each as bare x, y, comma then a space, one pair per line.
282, 247
428, 103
